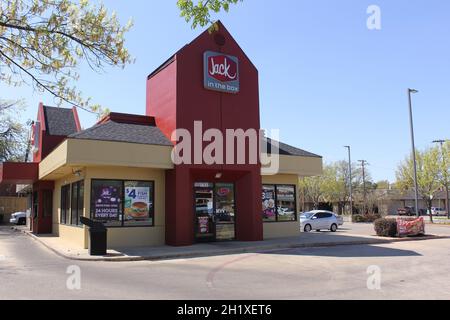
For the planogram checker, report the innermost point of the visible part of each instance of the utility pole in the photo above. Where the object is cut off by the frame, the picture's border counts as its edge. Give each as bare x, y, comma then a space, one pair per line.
350, 178
363, 165
411, 124
444, 174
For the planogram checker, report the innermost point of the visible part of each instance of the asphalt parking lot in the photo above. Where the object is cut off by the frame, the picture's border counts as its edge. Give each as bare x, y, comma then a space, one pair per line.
28, 270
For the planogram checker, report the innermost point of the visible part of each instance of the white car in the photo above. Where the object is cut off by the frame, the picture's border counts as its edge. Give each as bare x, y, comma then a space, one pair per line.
320, 220
18, 218
438, 211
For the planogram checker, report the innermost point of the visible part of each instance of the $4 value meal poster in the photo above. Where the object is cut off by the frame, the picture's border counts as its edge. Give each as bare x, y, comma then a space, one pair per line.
137, 203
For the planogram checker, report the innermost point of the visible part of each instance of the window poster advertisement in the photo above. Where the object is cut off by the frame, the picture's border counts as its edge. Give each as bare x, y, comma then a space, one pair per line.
107, 200
138, 202
203, 225
268, 202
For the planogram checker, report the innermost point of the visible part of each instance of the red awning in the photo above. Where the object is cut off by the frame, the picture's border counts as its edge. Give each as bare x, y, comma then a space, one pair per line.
19, 172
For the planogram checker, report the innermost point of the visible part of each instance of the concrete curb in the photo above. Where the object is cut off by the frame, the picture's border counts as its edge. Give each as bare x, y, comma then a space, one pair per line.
251, 249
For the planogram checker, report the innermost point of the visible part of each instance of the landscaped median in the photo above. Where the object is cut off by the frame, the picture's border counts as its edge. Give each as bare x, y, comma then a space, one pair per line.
303, 240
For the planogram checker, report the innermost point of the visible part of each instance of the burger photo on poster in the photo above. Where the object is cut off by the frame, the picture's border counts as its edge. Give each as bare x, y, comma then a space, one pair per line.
139, 210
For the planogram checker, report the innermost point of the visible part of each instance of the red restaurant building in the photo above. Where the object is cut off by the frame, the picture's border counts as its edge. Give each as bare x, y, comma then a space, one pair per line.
121, 171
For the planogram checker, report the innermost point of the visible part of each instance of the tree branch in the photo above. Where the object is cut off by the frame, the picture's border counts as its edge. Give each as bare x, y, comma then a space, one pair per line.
42, 85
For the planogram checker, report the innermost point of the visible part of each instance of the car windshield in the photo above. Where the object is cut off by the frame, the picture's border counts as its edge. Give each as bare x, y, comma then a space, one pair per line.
307, 214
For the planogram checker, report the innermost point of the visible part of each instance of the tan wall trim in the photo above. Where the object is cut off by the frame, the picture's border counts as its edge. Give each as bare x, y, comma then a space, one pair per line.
76, 153
55, 160
136, 237
301, 166
107, 153
281, 229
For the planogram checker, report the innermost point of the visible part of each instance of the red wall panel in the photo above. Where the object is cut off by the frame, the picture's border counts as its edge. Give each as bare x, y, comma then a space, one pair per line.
177, 98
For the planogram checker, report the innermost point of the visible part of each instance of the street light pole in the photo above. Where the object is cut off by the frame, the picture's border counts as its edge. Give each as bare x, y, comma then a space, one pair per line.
411, 123
444, 174
350, 178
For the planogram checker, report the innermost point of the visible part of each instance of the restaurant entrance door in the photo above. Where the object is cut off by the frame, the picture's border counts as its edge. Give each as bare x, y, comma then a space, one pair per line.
214, 212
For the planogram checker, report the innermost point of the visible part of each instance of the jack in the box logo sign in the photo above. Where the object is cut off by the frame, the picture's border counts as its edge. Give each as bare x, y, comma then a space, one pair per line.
221, 72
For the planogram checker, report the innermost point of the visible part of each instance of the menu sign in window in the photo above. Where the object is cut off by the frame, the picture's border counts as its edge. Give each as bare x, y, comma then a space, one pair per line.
268, 203
107, 200
138, 200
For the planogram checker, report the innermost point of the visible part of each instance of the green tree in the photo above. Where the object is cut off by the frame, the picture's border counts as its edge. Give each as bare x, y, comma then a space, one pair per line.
428, 171
335, 187
199, 13
311, 190
444, 172
45, 41
383, 184
332, 186
13, 134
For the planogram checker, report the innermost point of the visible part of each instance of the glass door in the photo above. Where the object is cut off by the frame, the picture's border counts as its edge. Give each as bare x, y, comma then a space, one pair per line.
204, 212
214, 212
224, 211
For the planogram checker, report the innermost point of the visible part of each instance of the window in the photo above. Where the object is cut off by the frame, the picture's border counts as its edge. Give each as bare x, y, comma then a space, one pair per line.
106, 201
279, 203
119, 203
319, 215
65, 203
77, 203
268, 203
323, 215
286, 204
138, 209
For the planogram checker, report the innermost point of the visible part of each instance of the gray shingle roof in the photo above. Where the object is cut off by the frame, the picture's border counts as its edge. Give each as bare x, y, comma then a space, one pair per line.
124, 132
289, 150
59, 121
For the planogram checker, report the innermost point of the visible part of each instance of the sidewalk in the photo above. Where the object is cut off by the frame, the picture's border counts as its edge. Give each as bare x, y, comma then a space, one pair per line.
303, 240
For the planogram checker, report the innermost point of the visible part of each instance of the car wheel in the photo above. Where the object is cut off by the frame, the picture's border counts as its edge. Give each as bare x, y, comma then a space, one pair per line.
22, 222
334, 227
307, 228
317, 230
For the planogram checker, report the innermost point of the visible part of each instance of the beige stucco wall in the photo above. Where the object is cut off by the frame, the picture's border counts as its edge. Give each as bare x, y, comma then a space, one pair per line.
71, 234
117, 237
92, 152
74, 154
55, 160
282, 229
299, 166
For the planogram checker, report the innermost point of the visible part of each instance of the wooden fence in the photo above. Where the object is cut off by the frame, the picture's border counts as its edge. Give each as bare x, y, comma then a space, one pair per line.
10, 205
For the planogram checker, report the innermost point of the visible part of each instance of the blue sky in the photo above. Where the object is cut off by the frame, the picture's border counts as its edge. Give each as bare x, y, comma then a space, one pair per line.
325, 80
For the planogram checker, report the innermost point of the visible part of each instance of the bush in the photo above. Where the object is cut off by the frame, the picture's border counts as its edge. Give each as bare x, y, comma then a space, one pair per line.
365, 218
386, 227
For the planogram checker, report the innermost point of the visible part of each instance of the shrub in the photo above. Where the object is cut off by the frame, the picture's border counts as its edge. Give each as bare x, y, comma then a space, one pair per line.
386, 227
364, 218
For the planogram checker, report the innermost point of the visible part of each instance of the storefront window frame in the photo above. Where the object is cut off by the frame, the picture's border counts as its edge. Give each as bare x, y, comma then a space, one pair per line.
276, 202
78, 211
122, 214
65, 204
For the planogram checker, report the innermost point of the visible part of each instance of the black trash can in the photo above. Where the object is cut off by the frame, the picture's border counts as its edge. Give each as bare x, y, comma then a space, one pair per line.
97, 237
